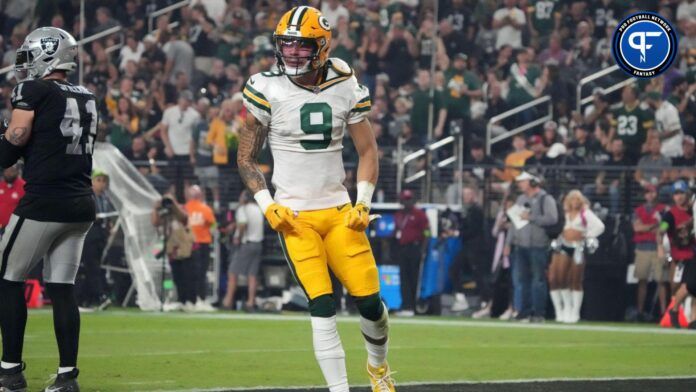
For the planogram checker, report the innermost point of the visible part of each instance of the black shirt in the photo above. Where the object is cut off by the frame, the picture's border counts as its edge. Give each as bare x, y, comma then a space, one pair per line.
617, 173
681, 161
58, 156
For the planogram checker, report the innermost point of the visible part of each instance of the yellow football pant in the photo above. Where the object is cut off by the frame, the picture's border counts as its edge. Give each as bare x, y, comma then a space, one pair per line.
325, 242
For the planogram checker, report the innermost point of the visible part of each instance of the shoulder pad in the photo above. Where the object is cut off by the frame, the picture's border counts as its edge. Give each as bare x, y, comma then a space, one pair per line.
340, 67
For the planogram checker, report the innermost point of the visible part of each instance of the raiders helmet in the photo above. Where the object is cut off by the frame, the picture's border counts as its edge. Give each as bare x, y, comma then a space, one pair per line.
45, 50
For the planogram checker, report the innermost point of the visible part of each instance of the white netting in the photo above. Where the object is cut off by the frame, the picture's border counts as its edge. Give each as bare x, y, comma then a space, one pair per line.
134, 198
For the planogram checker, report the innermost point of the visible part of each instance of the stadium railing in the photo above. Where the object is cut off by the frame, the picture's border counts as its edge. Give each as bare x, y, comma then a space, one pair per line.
617, 83
154, 14
494, 121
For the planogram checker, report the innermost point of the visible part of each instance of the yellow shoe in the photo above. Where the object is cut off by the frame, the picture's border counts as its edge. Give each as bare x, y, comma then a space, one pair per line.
380, 378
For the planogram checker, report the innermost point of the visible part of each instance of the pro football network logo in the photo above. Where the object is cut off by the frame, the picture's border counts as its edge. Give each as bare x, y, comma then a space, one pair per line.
644, 44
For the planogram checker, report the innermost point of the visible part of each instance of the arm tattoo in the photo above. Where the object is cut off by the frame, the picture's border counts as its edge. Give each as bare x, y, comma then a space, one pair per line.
18, 136
251, 139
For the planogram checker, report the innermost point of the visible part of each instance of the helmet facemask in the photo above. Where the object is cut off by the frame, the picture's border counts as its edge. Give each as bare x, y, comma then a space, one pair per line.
24, 63
296, 56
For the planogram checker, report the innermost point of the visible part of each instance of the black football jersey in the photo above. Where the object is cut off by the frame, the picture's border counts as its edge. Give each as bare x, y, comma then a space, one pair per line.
58, 156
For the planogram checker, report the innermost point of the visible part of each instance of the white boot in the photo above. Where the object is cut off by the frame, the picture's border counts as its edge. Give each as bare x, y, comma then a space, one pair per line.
557, 300
567, 298
577, 304
460, 303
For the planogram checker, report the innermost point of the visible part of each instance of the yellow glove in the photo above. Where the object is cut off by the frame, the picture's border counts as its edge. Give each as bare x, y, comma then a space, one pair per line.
281, 218
358, 218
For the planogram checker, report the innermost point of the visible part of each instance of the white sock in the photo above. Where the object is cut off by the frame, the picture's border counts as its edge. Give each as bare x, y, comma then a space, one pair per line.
375, 331
329, 353
8, 365
577, 303
567, 304
67, 369
557, 303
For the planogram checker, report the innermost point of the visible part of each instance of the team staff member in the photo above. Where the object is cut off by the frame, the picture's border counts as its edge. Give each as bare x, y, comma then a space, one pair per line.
678, 223
201, 220
11, 191
412, 228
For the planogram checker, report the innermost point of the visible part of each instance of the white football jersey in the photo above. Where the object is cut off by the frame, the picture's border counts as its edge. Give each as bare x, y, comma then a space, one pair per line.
306, 128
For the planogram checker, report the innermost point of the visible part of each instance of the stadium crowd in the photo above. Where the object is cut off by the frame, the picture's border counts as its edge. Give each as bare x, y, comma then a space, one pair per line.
172, 99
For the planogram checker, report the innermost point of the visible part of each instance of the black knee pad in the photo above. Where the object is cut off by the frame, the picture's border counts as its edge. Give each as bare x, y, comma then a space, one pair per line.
370, 307
60, 291
322, 306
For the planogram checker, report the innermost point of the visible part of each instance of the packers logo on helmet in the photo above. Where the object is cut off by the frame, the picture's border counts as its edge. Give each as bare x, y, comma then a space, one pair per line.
302, 40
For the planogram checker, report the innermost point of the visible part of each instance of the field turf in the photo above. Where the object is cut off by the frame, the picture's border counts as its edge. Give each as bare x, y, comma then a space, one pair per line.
134, 351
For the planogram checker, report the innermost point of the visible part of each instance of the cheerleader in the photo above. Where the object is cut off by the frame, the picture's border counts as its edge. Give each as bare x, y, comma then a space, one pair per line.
581, 229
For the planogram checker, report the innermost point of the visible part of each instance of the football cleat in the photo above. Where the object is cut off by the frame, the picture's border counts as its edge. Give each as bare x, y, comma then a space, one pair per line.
380, 378
12, 380
65, 382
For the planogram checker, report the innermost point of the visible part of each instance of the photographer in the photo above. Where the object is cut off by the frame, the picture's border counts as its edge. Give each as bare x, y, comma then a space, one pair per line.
172, 220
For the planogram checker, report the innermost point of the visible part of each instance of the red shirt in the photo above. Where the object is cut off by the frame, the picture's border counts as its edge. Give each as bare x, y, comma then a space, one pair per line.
411, 226
651, 217
10, 194
681, 239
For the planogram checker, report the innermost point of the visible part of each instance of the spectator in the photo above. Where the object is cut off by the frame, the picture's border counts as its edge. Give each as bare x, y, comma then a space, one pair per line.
398, 53
412, 232
516, 159
554, 54
529, 246
201, 33
646, 220
429, 44
202, 152
421, 103
454, 41
610, 182
124, 125
91, 282
131, 17
526, 80
131, 51
478, 166
584, 148
544, 19
668, 126
343, 41
509, 22
539, 161
333, 10
501, 262
567, 270
462, 86
172, 220
630, 123
685, 166
684, 99
180, 57
11, 192
176, 127
473, 254
653, 167
678, 224
201, 220
245, 261
104, 20
372, 43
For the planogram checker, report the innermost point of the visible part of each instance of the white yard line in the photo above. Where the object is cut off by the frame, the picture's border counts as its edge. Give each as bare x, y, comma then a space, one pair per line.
415, 321
454, 382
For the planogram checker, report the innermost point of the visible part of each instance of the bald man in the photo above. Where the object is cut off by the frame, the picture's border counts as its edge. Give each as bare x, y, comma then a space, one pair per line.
201, 220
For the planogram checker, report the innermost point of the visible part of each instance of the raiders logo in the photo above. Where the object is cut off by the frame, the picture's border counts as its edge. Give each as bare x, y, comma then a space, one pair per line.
49, 45
324, 23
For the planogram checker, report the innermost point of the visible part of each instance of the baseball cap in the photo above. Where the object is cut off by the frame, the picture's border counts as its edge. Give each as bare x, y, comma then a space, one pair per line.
550, 125
99, 173
462, 56
186, 94
680, 187
536, 139
556, 150
406, 194
526, 176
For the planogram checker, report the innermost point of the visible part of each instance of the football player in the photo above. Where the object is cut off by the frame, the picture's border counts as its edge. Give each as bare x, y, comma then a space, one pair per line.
302, 111
52, 128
